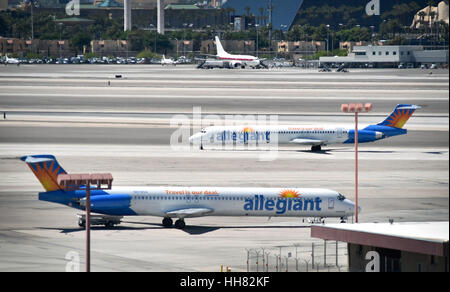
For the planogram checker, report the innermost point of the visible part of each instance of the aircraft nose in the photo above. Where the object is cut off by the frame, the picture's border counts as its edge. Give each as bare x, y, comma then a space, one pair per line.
195, 138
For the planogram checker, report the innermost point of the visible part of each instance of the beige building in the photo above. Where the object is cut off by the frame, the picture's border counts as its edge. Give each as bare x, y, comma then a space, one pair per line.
430, 15
231, 46
109, 47
300, 48
50, 48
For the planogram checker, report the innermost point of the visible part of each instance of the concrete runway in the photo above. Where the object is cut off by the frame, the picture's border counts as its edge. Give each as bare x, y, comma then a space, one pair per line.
69, 111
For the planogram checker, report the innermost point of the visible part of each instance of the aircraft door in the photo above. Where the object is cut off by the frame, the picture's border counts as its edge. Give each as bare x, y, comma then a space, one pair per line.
340, 132
330, 204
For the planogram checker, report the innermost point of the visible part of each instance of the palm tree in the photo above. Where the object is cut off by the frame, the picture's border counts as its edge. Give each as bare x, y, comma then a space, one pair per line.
247, 10
422, 19
261, 11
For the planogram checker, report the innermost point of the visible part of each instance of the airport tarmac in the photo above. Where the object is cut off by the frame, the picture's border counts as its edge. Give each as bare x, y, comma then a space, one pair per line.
124, 128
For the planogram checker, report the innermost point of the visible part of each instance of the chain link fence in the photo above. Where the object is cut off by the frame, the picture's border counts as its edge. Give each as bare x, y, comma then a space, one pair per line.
314, 256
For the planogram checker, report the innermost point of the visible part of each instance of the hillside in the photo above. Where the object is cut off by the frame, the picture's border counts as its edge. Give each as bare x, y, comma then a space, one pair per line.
352, 12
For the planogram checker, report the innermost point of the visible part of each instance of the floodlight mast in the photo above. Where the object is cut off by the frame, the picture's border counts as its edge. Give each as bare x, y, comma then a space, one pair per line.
99, 181
356, 108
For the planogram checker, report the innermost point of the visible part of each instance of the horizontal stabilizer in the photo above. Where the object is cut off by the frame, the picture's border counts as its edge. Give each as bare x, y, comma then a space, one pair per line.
308, 141
189, 212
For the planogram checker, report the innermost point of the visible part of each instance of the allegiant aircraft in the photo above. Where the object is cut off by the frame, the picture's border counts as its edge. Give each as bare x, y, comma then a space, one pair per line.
187, 202
315, 136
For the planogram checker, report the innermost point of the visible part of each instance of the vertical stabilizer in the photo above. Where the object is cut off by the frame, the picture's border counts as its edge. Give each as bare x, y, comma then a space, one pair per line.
220, 50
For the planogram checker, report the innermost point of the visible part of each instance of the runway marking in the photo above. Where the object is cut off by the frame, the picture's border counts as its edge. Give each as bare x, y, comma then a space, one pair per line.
301, 96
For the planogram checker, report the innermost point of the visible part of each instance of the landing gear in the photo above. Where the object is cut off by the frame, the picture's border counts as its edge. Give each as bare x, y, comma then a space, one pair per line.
179, 224
167, 222
316, 148
343, 220
201, 146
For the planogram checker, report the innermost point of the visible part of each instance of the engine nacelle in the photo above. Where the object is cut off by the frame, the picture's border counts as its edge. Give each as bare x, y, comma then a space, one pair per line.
110, 204
364, 136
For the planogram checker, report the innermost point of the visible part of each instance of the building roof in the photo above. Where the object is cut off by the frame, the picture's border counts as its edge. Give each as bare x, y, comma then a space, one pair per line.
109, 3
74, 20
180, 6
284, 11
420, 237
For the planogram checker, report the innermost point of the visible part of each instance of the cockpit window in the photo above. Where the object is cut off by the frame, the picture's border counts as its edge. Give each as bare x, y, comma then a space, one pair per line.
340, 197
203, 131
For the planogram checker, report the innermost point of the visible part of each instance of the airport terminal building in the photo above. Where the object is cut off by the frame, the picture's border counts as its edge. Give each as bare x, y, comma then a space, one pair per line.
388, 56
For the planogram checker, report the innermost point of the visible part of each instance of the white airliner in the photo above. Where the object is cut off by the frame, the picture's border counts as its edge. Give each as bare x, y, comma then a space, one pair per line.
165, 61
12, 61
188, 202
237, 61
314, 136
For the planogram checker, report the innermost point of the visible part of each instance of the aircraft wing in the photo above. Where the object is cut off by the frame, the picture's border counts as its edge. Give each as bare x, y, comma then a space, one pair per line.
308, 141
189, 212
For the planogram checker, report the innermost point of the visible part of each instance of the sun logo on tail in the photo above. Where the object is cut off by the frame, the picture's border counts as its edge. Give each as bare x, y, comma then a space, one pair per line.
399, 117
290, 194
248, 130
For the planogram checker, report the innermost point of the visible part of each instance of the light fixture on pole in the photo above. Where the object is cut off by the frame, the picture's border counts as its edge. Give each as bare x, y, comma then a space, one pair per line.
73, 182
356, 108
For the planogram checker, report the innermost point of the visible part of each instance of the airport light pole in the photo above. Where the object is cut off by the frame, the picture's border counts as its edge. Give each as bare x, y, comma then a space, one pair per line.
73, 182
356, 108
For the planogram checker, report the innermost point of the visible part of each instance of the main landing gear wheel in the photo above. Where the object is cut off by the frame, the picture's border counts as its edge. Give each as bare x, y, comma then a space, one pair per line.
316, 148
180, 224
167, 222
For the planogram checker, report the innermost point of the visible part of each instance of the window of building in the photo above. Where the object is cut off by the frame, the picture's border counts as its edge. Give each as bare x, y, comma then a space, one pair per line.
394, 53
374, 53
387, 53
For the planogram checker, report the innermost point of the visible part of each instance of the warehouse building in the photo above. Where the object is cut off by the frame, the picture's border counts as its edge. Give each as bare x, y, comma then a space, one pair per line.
391, 247
388, 56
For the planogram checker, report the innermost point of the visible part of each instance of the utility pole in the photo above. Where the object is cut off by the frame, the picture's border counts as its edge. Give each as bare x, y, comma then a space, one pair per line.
99, 181
270, 24
356, 108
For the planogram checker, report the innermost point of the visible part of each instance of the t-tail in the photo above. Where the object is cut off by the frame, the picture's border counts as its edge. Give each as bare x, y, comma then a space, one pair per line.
393, 124
46, 168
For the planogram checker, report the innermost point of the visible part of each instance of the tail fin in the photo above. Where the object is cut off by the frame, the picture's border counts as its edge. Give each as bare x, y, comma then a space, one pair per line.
46, 169
400, 115
220, 50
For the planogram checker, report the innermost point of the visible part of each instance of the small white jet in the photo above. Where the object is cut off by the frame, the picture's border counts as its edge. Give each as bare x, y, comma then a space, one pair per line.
238, 61
165, 61
12, 61
188, 202
314, 136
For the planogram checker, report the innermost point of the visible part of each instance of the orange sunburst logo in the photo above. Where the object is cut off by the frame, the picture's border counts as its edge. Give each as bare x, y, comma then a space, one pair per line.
399, 118
47, 174
248, 130
290, 194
